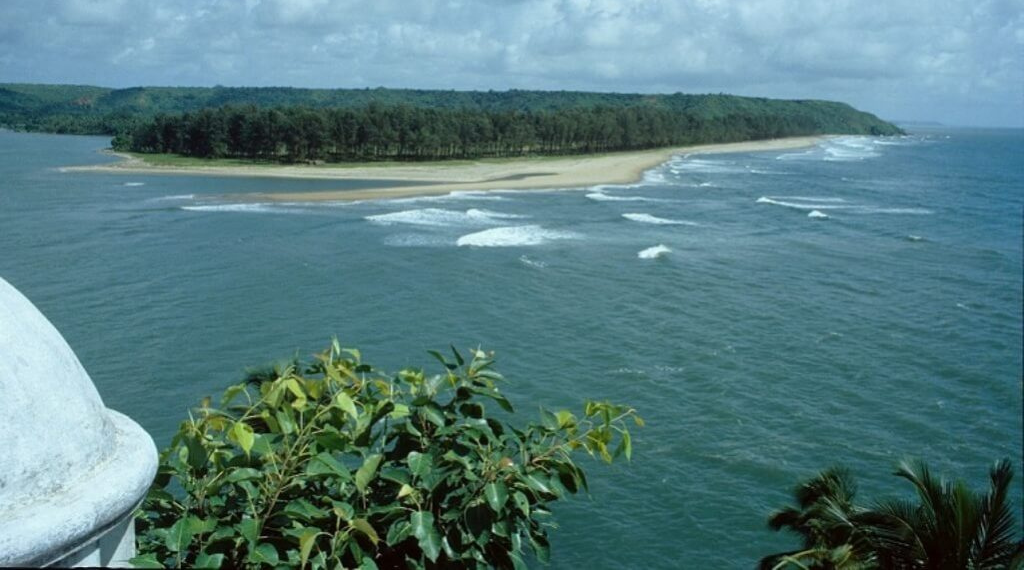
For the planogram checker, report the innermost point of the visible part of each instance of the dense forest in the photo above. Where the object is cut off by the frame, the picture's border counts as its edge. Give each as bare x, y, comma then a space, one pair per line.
290, 125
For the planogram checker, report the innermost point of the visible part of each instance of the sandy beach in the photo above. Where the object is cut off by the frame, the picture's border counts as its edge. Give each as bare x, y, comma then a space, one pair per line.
420, 179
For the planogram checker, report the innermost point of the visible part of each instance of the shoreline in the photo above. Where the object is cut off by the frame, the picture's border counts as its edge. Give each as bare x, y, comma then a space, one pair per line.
424, 179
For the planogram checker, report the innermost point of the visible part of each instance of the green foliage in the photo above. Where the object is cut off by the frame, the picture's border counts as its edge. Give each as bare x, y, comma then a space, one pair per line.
274, 123
950, 527
334, 464
402, 132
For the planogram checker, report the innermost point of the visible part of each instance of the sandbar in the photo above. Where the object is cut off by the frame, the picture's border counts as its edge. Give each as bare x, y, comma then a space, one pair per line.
421, 179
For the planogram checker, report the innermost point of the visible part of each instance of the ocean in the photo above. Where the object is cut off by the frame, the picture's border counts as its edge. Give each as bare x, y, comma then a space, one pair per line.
769, 314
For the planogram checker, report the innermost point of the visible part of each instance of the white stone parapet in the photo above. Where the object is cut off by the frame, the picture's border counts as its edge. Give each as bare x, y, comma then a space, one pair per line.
72, 471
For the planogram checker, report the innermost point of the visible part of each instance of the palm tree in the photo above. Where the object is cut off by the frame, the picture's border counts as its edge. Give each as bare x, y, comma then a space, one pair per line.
827, 521
950, 526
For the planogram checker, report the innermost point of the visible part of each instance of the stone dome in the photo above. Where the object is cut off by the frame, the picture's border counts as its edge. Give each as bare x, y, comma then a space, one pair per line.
72, 468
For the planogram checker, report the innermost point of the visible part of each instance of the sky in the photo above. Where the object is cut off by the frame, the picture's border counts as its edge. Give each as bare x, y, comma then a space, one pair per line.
958, 62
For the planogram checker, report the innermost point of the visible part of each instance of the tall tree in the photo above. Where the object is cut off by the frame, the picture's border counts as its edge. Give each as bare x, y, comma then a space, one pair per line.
949, 527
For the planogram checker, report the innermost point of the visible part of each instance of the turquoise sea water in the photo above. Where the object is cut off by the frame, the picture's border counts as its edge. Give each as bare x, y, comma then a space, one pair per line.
854, 303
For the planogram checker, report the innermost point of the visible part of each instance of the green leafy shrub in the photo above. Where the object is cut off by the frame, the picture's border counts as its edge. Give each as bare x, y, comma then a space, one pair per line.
334, 464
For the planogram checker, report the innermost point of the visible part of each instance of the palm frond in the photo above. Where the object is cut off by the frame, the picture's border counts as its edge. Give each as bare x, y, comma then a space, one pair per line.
994, 542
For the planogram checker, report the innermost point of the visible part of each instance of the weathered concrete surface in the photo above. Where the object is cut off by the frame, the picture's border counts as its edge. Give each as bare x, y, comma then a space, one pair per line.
72, 469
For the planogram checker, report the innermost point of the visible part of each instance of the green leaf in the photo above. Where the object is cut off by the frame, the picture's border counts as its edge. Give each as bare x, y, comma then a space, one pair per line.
495, 395
627, 445
145, 561
496, 494
303, 510
399, 475
432, 414
368, 564
179, 535
458, 357
325, 464
426, 534
549, 420
342, 510
344, 402
249, 530
420, 463
522, 502
541, 548
399, 531
365, 473
306, 543
354, 352
197, 456
536, 482
440, 358
242, 474
243, 435
264, 553
204, 560
364, 526
400, 411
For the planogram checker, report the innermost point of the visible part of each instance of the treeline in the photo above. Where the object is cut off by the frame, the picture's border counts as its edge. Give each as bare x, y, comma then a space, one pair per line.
689, 118
404, 132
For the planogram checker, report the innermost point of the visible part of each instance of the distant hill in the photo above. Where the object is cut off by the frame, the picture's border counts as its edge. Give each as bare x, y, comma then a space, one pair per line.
283, 123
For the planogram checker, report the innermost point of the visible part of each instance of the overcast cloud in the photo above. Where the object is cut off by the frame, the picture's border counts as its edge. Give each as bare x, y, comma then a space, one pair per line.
954, 61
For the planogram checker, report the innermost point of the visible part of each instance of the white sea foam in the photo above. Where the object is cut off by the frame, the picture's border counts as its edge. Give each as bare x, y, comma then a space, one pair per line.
454, 196
512, 236
602, 197
175, 198
686, 165
134, 183
249, 208
649, 219
817, 215
846, 149
909, 211
838, 204
810, 198
532, 262
474, 195
438, 217
416, 240
797, 205
653, 176
654, 252
798, 155
839, 149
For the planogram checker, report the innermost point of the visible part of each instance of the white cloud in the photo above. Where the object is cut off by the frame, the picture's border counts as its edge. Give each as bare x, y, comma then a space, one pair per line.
887, 57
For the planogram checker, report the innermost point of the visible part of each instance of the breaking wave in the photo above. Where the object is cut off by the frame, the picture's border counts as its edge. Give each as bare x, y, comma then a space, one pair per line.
602, 197
438, 217
532, 262
512, 236
649, 219
249, 208
655, 252
812, 205
800, 205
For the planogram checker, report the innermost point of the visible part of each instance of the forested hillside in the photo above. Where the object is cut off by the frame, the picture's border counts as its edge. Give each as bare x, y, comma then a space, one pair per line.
289, 124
